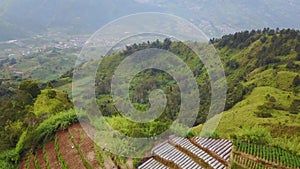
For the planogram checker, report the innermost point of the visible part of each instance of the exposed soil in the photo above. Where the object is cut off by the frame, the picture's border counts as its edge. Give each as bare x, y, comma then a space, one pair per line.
50, 150
22, 165
40, 159
31, 162
129, 163
68, 151
85, 143
108, 163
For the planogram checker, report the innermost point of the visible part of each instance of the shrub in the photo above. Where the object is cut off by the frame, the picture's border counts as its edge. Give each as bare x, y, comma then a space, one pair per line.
263, 114
48, 128
30, 87
51, 94
298, 57
20, 145
291, 64
215, 135
296, 81
295, 107
10, 156
272, 99
190, 134
7, 165
51, 102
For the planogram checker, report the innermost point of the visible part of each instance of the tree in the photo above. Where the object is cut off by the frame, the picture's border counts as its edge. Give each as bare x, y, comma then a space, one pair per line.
51, 94
31, 87
291, 64
49, 85
295, 107
255, 134
296, 81
298, 57
12, 61
13, 130
167, 43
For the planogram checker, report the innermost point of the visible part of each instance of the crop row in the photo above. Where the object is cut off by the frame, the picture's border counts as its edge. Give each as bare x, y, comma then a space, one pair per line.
270, 154
61, 161
85, 162
46, 158
245, 162
98, 152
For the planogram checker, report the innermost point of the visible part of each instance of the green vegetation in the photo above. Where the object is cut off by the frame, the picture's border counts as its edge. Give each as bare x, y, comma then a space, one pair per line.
28, 161
51, 101
262, 106
42, 65
132, 129
36, 163
271, 154
47, 65
241, 162
45, 157
146, 81
99, 155
263, 93
31, 87
34, 138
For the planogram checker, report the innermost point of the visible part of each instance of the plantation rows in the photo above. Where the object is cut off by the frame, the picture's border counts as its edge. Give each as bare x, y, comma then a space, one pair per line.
70, 149
247, 163
270, 154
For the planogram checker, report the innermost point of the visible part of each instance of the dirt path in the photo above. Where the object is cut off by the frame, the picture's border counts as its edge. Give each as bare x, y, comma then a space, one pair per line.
68, 151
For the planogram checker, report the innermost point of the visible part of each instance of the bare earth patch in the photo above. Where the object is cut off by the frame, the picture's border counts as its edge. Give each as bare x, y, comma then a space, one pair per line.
68, 150
50, 149
40, 159
85, 143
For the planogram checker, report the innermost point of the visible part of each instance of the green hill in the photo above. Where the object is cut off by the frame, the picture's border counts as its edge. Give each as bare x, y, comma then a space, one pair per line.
262, 69
268, 64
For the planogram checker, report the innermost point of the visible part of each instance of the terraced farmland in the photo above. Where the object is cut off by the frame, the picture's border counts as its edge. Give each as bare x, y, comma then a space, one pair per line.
72, 149
197, 152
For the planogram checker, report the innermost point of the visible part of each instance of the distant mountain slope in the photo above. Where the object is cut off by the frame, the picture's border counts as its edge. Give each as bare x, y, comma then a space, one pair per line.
215, 18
